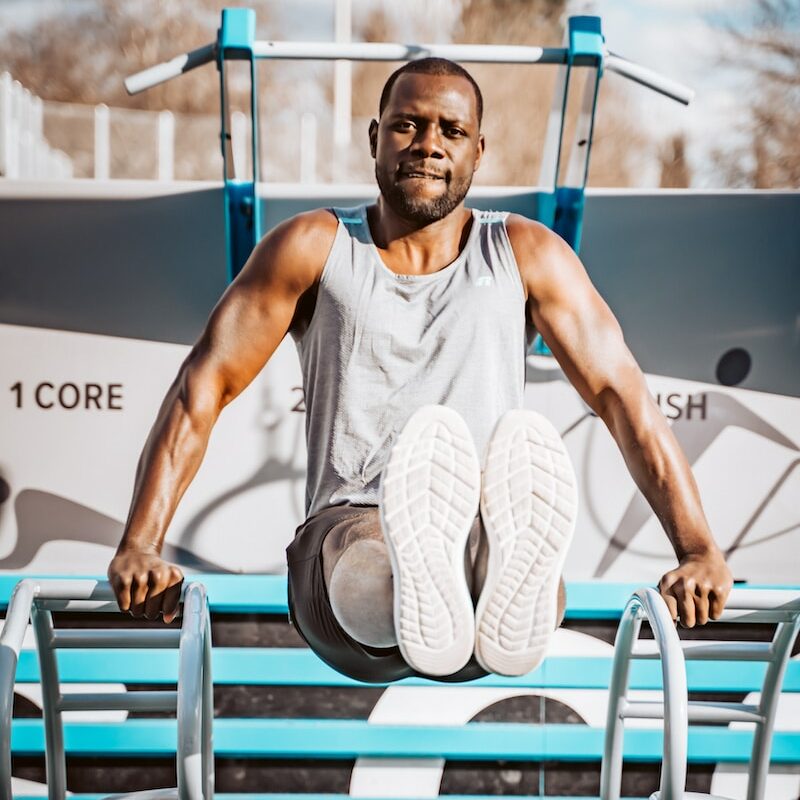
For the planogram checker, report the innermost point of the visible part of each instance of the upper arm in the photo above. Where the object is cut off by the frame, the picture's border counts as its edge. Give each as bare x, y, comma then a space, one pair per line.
256, 311
573, 319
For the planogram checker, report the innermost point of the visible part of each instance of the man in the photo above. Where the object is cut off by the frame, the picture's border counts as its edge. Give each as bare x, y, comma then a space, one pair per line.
412, 317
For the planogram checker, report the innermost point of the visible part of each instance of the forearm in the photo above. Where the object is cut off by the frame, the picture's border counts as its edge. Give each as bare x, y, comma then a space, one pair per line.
660, 469
169, 461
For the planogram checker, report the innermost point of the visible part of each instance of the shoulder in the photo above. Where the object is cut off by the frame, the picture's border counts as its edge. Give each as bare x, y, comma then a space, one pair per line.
531, 239
310, 234
296, 249
543, 257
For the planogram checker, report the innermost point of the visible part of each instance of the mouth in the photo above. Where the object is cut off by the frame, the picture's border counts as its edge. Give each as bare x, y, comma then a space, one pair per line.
419, 174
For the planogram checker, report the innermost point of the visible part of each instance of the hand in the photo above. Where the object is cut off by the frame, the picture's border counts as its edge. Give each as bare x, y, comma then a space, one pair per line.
697, 589
145, 584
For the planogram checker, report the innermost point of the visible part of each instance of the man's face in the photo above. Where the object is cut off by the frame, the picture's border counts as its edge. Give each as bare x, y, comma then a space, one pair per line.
427, 145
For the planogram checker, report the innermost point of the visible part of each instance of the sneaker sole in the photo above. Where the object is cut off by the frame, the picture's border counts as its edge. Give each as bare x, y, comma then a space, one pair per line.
428, 500
528, 508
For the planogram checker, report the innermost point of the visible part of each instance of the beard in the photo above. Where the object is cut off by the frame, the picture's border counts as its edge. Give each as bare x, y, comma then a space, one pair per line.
421, 210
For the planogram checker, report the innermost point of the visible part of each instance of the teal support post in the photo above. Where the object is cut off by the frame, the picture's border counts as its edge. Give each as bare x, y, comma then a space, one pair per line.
235, 40
568, 221
585, 42
561, 209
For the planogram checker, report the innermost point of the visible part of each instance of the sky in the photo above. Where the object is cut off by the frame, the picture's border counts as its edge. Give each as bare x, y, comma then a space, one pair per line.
678, 38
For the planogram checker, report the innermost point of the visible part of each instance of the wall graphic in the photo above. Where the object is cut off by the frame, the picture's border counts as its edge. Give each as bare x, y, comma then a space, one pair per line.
77, 408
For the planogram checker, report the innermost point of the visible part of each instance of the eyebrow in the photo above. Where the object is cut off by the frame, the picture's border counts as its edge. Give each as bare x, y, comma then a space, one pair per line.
411, 115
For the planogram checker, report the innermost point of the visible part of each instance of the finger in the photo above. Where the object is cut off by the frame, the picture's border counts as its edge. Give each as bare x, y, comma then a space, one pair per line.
672, 604
667, 582
122, 589
716, 598
160, 582
701, 604
139, 589
686, 607
157, 584
172, 599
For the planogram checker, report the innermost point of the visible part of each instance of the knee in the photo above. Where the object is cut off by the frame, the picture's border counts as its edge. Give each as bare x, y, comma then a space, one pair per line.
361, 593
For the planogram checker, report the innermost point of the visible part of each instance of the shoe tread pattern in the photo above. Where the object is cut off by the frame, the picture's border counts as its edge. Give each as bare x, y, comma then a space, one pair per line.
430, 492
528, 506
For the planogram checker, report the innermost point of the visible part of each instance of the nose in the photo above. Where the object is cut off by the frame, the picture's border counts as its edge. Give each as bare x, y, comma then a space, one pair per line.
428, 143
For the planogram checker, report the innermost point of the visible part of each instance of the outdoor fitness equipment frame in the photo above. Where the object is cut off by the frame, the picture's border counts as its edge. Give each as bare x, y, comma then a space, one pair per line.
560, 206
35, 600
677, 711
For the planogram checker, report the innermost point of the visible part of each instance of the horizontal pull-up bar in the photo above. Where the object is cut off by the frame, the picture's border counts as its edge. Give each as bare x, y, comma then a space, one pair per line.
167, 70
386, 51
649, 78
370, 51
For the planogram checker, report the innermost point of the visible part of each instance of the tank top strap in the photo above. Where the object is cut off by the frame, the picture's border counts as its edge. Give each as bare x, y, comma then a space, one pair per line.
354, 220
496, 247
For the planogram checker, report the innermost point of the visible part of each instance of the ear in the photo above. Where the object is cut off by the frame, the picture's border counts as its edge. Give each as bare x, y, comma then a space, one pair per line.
479, 151
373, 137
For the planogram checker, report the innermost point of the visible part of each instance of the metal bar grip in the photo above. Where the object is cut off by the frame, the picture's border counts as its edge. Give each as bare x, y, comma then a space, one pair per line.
160, 73
647, 77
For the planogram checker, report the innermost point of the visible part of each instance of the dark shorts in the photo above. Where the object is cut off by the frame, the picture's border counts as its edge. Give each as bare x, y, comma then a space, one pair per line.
311, 614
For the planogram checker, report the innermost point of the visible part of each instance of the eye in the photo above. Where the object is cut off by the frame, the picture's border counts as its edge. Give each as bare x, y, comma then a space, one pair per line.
453, 132
403, 125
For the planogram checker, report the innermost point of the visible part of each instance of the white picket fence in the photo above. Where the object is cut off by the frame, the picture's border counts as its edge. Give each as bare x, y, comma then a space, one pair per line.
24, 152
54, 140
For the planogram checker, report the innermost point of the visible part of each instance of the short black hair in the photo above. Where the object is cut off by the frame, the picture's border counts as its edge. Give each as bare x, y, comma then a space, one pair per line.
431, 66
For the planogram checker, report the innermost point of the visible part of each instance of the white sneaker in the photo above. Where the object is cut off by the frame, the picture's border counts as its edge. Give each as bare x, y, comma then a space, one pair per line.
529, 504
429, 496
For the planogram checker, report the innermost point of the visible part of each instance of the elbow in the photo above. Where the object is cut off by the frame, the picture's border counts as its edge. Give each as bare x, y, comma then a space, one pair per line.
609, 405
199, 392
641, 432
627, 406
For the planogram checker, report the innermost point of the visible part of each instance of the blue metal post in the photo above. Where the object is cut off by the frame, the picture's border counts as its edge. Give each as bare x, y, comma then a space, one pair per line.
585, 45
562, 209
242, 218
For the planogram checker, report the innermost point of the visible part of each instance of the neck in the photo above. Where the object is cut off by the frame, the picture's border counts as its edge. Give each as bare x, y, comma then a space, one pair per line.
419, 248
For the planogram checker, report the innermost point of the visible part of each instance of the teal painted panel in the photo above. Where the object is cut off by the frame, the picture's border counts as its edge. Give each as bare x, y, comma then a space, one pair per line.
352, 738
300, 667
266, 594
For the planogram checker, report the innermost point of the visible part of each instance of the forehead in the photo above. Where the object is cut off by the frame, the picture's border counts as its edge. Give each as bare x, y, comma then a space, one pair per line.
451, 96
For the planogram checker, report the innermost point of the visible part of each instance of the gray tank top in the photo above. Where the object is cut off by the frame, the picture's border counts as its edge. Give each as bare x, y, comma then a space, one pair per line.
380, 345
